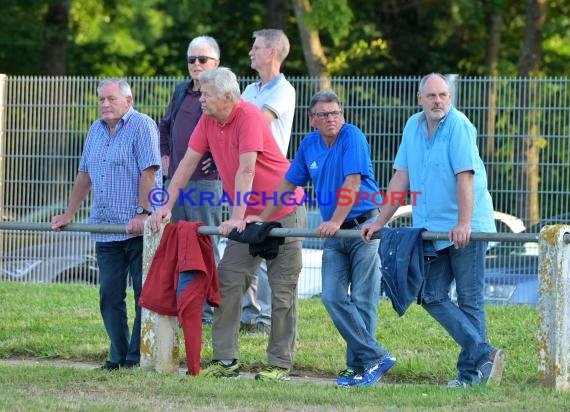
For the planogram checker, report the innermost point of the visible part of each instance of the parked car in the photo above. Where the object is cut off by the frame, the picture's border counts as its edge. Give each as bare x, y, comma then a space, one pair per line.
45, 256
511, 268
61, 257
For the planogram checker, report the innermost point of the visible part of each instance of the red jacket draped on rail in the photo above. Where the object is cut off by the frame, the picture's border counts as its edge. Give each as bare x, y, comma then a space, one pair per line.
181, 249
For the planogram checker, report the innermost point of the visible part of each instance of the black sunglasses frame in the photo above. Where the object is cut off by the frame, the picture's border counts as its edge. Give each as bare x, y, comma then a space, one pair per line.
201, 59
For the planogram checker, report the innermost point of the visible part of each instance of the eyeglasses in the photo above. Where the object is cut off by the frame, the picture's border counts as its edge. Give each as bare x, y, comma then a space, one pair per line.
201, 59
324, 115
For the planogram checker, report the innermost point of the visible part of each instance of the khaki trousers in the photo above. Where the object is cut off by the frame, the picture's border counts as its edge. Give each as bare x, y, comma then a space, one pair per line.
235, 271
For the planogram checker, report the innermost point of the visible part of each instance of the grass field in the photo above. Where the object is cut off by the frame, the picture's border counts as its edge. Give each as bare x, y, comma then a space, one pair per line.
62, 322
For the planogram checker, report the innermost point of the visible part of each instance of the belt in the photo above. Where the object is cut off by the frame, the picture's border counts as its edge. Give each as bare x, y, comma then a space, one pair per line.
350, 223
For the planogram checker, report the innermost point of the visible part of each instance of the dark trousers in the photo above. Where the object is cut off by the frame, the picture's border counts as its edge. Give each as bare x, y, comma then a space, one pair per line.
117, 261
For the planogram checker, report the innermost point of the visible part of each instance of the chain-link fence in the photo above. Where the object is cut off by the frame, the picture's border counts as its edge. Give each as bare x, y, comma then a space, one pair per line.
523, 126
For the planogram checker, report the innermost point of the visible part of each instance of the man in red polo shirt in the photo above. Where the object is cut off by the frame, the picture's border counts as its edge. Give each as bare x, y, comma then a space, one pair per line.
250, 165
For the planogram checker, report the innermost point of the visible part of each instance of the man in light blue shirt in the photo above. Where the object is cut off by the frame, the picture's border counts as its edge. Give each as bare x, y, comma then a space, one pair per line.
438, 157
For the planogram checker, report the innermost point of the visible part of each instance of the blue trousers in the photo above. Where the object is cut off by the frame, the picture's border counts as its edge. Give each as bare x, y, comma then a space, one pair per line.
117, 262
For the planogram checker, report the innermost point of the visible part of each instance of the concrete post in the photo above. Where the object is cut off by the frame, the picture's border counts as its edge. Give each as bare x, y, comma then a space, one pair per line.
554, 308
160, 347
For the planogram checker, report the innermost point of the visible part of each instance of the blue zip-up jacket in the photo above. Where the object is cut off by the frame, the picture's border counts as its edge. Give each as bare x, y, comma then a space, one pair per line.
403, 253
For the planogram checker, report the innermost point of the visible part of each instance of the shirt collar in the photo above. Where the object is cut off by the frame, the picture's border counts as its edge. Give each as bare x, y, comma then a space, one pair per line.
123, 119
423, 119
269, 85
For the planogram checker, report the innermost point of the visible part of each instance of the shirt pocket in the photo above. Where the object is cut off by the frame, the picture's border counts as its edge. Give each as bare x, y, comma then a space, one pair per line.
121, 153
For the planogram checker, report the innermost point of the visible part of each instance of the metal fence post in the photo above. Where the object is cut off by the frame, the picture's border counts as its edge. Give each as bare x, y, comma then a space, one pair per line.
3, 104
554, 308
160, 347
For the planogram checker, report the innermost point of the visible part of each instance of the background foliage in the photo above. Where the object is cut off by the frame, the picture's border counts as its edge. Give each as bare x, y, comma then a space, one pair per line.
358, 37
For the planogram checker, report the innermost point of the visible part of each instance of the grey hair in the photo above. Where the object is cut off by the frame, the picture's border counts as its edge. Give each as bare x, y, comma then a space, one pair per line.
123, 85
325, 96
276, 39
427, 76
223, 80
205, 41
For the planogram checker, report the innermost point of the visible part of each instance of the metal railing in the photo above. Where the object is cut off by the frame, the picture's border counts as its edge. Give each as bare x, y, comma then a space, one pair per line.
40, 267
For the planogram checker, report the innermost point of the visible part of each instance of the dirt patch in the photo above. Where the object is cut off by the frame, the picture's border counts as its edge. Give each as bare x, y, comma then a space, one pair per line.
297, 376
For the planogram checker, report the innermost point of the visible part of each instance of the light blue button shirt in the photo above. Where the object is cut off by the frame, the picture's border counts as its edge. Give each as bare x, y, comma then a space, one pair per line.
115, 164
433, 164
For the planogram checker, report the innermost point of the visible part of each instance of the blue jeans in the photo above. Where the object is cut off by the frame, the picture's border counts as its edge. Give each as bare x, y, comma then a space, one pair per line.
257, 298
465, 322
355, 265
117, 261
184, 279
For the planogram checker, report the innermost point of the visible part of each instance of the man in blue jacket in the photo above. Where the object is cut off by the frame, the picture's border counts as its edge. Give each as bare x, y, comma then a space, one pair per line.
438, 157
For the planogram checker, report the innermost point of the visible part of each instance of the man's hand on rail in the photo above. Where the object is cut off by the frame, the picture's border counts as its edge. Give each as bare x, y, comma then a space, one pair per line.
368, 229
136, 224
227, 226
460, 235
158, 217
327, 229
59, 221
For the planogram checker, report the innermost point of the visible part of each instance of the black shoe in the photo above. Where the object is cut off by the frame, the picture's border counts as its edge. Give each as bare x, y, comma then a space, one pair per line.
130, 364
245, 327
260, 328
110, 366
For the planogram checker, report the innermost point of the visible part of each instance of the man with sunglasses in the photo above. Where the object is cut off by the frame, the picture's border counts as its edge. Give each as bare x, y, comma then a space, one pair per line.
275, 97
176, 126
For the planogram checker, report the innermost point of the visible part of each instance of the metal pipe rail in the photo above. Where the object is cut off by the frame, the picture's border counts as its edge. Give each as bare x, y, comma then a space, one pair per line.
278, 232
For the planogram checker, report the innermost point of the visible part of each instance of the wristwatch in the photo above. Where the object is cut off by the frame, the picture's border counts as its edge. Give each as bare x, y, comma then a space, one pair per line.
142, 211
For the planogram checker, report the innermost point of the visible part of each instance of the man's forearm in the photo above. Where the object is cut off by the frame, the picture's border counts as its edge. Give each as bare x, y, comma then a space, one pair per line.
81, 187
464, 198
350, 189
146, 184
243, 184
284, 187
181, 176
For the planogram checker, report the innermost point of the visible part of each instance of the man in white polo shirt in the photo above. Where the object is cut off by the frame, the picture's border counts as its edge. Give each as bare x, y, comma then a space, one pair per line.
275, 97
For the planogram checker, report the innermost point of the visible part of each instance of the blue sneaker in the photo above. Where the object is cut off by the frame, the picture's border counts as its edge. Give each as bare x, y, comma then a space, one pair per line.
374, 372
346, 377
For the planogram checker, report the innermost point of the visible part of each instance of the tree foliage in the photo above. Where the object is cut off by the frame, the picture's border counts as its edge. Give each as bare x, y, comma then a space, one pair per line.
360, 37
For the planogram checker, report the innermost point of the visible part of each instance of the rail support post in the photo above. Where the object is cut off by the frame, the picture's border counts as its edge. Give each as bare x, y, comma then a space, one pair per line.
160, 347
554, 308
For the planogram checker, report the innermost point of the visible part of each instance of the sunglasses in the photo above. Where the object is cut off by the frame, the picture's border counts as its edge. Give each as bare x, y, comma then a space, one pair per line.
201, 59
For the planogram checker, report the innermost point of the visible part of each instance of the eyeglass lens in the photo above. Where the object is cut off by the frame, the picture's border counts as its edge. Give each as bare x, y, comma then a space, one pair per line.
201, 59
324, 115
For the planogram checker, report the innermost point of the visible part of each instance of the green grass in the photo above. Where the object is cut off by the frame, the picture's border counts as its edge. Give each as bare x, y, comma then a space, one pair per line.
63, 322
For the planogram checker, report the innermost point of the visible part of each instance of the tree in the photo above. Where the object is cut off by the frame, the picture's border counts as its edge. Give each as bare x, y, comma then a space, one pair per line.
494, 13
56, 30
527, 146
312, 49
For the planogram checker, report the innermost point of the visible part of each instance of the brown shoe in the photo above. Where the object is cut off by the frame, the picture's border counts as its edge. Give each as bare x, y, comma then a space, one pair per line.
492, 370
